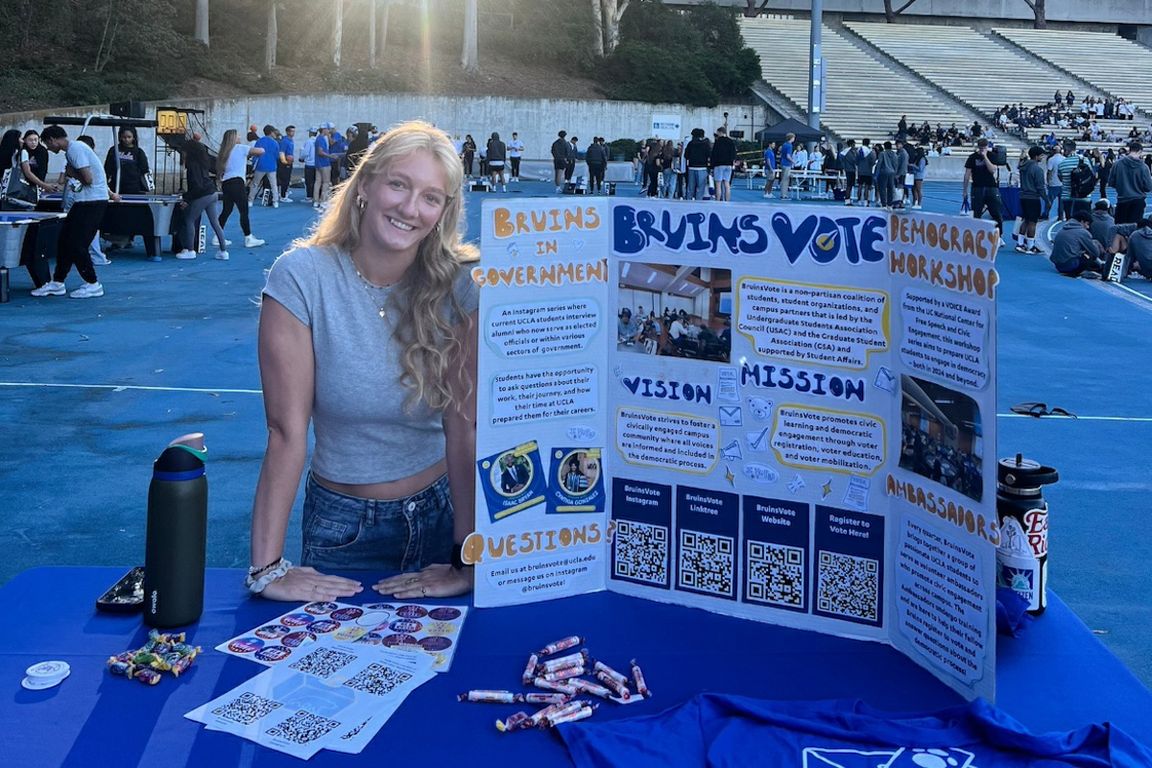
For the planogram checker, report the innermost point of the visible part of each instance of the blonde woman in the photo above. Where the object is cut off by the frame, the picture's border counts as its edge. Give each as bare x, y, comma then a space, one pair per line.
368, 333
231, 168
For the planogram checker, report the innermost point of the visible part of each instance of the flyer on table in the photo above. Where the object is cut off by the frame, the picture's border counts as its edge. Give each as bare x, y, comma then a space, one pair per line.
780, 413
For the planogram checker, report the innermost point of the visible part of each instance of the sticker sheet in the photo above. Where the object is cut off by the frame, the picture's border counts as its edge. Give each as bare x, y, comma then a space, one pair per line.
324, 698
431, 629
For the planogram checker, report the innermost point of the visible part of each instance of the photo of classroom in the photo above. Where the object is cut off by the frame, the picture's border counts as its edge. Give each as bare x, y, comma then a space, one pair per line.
681, 311
941, 436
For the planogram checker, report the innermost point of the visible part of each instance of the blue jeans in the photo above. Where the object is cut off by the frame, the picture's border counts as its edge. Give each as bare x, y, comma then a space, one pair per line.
1052, 201
344, 532
697, 183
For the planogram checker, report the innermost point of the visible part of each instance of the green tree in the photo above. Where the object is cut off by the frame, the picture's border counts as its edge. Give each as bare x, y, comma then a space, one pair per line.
644, 71
696, 56
730, 66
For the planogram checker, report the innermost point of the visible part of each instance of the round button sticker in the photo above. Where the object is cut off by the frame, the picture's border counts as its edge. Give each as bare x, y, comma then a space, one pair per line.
272, 631
445, 613
273, 653
347, 614
405, 625
372, 638
435, 643
245, 644
297, 639
323, 626
400, 639
380, 607
297, 620
412, 611
321, 608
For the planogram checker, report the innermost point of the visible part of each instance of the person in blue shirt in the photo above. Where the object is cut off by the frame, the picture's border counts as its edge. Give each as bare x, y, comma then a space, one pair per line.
769, 168
786, 163
323, 166
339, 149
264, 167
285, 161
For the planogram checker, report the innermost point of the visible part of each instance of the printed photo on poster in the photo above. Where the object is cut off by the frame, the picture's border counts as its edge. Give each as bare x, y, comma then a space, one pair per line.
513, 480
679, 311
576, 481
942, 436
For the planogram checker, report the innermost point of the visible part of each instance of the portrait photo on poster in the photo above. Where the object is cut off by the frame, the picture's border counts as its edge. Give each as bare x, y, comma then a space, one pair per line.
576, 481
512, 480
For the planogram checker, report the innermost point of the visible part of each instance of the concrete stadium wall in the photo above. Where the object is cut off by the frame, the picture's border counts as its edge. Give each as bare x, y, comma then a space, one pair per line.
536, 120
1096, 12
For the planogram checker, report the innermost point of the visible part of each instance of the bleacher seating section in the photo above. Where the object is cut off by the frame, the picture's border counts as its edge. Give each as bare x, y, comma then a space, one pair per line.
859, 102
1111, 63
866, 98
972, 67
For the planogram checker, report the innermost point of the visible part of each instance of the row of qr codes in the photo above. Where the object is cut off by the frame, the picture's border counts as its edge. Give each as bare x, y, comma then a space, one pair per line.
846, 585
305, 727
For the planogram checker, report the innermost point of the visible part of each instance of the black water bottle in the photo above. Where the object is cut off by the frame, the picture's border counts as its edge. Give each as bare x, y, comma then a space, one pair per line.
177, 535
1022, 555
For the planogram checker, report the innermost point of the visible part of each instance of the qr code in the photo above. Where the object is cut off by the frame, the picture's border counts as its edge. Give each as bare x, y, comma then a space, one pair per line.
707, 562
377, 679
848, 585
247, 708
323, 662
640, 551
303, 728
775, 574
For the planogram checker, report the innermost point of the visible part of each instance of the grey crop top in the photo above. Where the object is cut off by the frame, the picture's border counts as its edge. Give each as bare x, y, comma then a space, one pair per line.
363, 432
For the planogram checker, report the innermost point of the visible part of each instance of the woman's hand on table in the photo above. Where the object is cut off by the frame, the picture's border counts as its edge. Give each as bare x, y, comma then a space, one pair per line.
304, 584
439, 580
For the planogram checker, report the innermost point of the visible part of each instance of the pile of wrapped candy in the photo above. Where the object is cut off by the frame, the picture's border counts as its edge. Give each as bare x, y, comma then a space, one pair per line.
563, 679
162, 653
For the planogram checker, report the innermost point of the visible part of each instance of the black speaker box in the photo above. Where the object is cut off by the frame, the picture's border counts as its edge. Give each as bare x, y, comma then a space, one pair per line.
126, 109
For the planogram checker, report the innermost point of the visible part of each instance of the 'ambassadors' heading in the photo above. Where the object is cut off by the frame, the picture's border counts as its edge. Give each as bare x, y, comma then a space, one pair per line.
825, 238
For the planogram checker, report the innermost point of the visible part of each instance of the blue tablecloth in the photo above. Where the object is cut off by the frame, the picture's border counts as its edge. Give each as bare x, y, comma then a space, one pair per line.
1056, 676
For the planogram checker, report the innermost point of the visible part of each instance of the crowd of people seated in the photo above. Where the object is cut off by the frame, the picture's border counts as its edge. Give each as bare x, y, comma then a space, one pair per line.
675, 333
941, 137
931, 458
1065, 113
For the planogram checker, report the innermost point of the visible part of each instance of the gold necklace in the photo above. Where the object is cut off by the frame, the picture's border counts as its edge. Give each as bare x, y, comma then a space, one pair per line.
372, 288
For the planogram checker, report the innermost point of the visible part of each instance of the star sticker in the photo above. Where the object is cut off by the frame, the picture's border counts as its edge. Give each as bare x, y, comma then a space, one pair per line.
729, 476
826, 490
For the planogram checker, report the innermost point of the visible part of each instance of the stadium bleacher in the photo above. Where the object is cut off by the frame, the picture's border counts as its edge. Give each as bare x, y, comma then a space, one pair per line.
1126, 65
859, 100
974, 68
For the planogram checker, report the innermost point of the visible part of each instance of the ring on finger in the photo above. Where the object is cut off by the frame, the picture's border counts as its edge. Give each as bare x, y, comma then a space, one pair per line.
424, 591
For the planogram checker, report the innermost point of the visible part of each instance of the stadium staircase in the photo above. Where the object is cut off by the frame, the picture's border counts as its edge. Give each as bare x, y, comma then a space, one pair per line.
866, 92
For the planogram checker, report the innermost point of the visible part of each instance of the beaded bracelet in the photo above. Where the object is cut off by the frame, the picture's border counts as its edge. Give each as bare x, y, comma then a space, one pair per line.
253, 570
256, 586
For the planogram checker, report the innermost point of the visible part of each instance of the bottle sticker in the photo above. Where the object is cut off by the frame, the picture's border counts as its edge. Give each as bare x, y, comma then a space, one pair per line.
1036, 528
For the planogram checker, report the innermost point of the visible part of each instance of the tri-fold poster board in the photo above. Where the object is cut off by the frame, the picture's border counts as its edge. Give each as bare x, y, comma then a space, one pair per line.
782, 413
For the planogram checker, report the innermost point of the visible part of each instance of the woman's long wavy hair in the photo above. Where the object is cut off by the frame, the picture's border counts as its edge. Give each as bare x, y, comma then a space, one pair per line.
430, 325
226, 143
